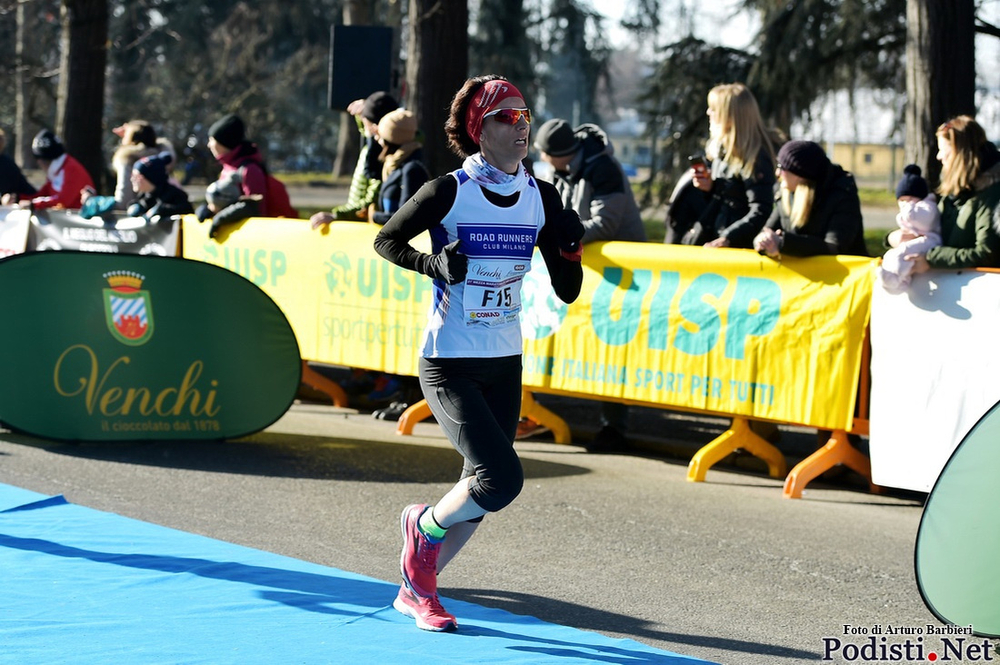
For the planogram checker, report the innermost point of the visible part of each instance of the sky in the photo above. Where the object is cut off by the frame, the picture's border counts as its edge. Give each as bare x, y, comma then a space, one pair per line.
717, 20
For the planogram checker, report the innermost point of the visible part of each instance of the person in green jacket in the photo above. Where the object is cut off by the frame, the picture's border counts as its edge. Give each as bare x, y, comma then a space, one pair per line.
367, 178
970, 194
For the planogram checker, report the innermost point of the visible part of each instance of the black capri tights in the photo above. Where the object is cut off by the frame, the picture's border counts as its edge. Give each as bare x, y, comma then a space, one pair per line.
477, 402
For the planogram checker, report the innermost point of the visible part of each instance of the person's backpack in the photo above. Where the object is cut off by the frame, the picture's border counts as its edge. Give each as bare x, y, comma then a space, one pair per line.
278, 203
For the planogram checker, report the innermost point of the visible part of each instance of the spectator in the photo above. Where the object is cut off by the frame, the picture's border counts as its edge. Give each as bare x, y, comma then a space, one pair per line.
158, 197
592, 182
223, 193
65, 178
403, 173
817, 210
403, 170
470, 365
12, 180
368, 172
727, 205
138, 140
361, 199
970, 191
243, 168
919, 229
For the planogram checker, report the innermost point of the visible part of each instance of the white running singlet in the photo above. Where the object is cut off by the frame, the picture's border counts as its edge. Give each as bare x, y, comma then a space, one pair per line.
478, 318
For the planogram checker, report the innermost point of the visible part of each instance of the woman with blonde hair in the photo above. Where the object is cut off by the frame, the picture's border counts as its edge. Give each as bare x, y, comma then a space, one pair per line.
970, 194
724, 201
817, 211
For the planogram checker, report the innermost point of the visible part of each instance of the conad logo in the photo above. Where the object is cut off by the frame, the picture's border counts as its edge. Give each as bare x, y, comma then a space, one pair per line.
223, 361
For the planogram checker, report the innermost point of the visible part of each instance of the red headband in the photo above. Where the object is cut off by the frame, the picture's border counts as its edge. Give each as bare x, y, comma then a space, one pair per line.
484, 101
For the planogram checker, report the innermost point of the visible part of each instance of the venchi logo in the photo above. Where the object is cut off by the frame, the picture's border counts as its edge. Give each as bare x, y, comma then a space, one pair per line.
127, 308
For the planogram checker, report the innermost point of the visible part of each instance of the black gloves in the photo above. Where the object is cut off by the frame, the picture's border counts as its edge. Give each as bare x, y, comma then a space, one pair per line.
449, 266
568, 230
203, 212
244, 208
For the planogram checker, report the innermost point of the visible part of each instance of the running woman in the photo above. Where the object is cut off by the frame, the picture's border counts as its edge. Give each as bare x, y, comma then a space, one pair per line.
484, 221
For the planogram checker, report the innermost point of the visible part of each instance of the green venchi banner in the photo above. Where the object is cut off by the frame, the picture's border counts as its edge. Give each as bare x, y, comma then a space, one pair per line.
100, 347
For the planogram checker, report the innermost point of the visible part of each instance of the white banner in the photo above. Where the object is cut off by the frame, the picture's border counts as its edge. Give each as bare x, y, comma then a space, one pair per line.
14, 224
935, 372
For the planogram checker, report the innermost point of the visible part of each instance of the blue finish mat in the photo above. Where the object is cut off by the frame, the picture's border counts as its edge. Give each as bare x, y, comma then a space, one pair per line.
84, 586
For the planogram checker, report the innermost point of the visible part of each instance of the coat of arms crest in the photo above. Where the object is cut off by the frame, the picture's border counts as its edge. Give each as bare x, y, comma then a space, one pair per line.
127, 308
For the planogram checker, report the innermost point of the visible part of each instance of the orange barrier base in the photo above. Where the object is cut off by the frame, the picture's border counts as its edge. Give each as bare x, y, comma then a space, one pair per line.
739, 435
838, 450
414, 414
529, 409
532, 409
317, 381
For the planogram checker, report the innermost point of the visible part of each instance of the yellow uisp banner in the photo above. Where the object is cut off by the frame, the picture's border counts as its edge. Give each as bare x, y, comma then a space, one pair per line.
347, 305
713, 330
719, 331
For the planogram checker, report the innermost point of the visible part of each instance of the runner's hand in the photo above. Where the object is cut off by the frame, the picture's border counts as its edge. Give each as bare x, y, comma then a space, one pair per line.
568, 230
449, 266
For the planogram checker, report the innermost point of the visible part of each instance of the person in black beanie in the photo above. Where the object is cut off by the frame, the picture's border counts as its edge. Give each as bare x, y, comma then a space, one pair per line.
919, 229
243, 166
157, 196
817, 209
591, 181
367, 178
66, 179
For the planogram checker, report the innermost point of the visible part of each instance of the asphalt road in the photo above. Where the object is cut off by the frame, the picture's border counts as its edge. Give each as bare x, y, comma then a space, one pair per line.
726, 570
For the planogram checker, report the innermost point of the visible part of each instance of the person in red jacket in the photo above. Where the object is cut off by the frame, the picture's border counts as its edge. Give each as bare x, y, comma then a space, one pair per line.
65, 178
243, 170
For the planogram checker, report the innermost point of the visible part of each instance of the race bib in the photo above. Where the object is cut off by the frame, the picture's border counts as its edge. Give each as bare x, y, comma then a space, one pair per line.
499, 258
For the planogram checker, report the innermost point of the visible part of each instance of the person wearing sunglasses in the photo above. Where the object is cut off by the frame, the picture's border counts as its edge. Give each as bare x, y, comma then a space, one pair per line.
592, 182
484, 221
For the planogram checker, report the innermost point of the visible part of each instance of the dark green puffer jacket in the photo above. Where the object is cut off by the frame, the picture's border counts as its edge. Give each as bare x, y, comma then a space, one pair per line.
968, 237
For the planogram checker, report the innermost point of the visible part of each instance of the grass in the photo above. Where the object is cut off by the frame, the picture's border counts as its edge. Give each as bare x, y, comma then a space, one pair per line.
312, 178
877, 197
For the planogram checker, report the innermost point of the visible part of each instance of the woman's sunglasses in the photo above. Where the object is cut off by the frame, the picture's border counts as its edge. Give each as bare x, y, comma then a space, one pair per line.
510, 116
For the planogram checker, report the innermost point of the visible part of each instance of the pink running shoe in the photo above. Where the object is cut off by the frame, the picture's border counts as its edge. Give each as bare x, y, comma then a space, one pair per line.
418, 561
427, 611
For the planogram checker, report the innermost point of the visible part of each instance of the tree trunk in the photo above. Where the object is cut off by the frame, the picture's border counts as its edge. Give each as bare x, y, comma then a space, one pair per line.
24, 129
348, 145
437, 65
84, 57
940, 73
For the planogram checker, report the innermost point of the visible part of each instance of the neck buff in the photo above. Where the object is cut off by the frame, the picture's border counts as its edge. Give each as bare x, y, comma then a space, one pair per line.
490, 177
484, 101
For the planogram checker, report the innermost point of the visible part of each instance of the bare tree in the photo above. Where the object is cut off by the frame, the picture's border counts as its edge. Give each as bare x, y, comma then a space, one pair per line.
36, 62
22, 149
436, 66
80, 107
940, 73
